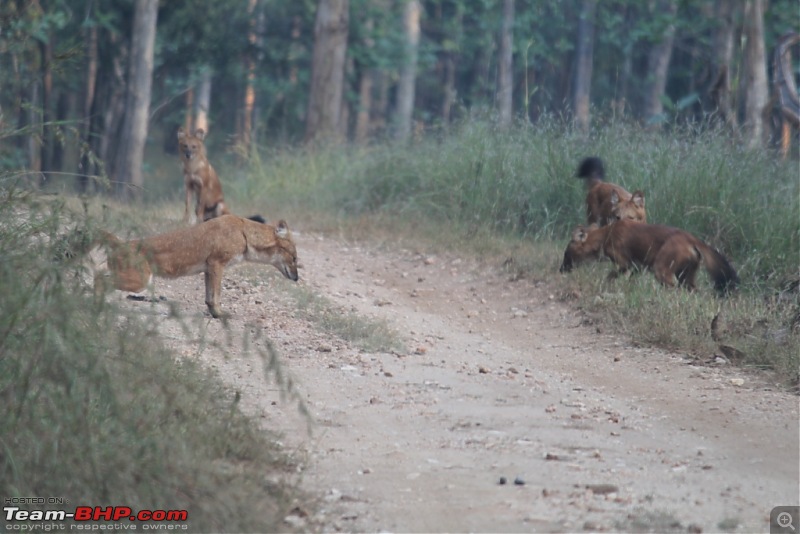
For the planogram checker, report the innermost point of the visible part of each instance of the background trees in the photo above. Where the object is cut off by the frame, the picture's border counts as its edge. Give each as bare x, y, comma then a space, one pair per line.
249, 68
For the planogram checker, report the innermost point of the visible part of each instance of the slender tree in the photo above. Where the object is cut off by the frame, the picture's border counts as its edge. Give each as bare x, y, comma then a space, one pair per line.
327, 70
755, 72
584, 58
505, 74
255, 38
130, 153
203, 101
408, 74
658, 63
722, 59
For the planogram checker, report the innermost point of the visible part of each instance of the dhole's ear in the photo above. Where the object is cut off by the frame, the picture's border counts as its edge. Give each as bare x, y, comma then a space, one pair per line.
282, 229
638, 199
614, 198
200, 133
181, 134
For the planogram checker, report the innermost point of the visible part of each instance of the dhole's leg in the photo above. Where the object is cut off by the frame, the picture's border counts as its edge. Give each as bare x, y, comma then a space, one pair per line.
213, 288
664, 273
687, 274
200, 209
186, 210
621, 270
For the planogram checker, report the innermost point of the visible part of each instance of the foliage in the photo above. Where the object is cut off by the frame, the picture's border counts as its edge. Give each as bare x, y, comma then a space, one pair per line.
221, 36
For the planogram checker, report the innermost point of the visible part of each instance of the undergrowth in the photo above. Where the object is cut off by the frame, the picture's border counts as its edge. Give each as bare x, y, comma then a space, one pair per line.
97, 412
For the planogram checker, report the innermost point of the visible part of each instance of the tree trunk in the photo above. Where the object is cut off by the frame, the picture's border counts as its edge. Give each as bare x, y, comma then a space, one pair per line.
203, 101
108, 110
137, 102
48, 136
248, 109
584, 59
381, 114
34, 118
327, 70
261, 21
365, 83
658, 65
449, 91
755, 72
449, 88
62, 112
408, 73
85, 166
189, 110
722, 58
364, 105
505, 72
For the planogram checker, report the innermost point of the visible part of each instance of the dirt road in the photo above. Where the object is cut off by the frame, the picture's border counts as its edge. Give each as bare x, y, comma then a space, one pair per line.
499, 381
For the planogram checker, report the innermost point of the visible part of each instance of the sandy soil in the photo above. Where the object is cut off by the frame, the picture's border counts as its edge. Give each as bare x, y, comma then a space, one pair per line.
499, 381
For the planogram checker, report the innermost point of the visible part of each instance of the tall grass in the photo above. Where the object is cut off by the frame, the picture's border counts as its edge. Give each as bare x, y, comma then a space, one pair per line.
96, 411
521, 181
478, 182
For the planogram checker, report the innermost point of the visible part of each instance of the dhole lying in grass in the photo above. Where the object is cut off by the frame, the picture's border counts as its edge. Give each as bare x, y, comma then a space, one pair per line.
204, 248
673, 255
199, 178
605, 202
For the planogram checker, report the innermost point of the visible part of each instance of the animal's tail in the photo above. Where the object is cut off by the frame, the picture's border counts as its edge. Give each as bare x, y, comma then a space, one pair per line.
719, 268
591, 169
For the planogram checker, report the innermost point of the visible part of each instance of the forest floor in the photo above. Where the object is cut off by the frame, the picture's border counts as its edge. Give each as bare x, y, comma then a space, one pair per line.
499, 381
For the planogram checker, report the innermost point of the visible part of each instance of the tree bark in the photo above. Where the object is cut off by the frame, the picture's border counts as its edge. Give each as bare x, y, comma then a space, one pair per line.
364, 105
720, 88
254, 39
408, 73
505, 74
755, 72
89, 86
327, 70
203, 101
583, 65
365, 83
137, 102
48, 136
658, 65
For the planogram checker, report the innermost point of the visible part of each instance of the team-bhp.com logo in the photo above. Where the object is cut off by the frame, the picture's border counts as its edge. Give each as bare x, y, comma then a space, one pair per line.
87, 517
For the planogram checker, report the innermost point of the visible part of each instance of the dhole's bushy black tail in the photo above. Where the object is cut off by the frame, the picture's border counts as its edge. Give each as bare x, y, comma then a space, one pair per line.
719, 268
591, 168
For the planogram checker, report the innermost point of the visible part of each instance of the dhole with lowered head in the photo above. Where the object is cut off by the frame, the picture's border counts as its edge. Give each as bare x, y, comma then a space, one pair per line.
204, 248
605, 202
199, 178
672, 254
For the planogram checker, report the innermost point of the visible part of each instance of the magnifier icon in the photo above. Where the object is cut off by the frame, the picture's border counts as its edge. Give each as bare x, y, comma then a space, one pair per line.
785, 520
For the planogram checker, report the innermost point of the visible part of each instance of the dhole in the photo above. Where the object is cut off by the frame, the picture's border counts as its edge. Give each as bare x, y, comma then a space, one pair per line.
605, 202
200, 179
673, 255
204, 248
